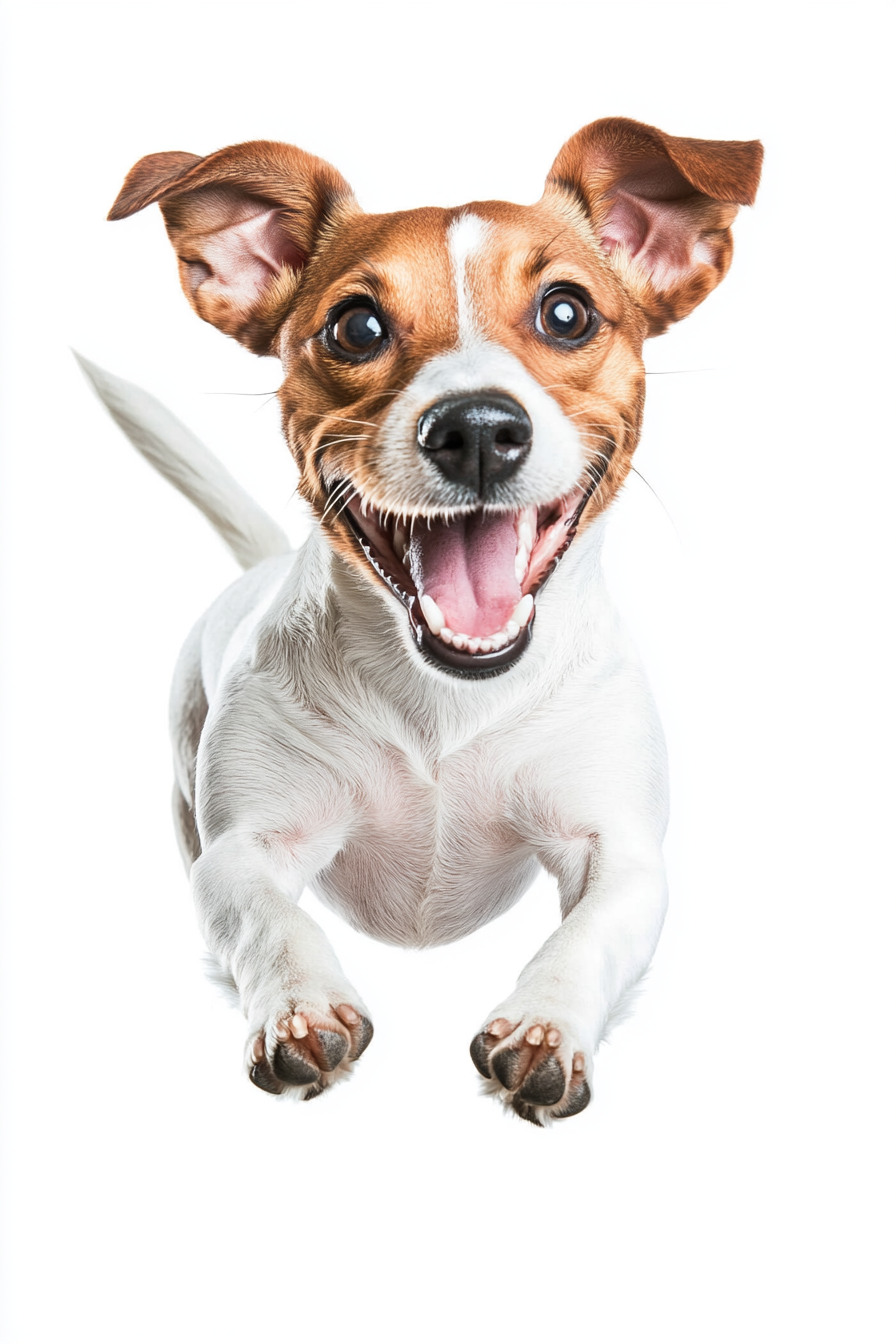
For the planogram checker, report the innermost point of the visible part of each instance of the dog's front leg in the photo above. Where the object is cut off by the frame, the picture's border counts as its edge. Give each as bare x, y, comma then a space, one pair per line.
536, 1048
307, 1024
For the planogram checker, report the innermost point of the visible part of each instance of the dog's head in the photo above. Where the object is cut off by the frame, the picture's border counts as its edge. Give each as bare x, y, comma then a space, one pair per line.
463, 388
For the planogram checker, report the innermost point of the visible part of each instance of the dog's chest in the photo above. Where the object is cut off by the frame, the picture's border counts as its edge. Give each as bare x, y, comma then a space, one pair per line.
433, 852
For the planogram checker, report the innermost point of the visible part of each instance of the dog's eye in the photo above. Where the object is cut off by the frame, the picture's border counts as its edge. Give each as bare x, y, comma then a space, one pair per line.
357, 331
565, 316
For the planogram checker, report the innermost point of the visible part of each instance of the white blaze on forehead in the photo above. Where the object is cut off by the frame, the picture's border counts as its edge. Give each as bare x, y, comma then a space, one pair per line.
466, 237
556, 460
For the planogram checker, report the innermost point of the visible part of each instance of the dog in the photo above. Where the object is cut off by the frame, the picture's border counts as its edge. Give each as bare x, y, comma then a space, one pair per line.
434, 697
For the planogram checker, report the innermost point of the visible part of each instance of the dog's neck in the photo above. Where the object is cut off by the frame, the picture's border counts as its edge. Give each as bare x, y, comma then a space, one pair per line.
369, 639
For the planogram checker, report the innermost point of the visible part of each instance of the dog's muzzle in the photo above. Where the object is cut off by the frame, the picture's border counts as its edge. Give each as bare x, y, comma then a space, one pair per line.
476, 440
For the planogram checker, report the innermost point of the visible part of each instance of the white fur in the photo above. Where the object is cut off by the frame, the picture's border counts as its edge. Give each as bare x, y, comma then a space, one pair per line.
466, 237
417, 805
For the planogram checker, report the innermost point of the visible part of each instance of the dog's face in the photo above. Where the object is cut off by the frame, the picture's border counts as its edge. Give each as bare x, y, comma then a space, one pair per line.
463, 388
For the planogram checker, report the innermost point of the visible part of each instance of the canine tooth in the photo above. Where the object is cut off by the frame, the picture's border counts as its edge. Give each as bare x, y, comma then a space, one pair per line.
432, 614
523, 610
446, 634
511, 630
527, 524
521, 564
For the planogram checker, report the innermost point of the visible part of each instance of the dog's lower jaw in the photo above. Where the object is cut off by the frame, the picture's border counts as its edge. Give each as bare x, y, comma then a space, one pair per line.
441, 654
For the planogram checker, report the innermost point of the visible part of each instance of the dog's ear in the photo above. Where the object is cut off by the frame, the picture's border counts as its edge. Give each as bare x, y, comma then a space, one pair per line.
661, 205
243, 222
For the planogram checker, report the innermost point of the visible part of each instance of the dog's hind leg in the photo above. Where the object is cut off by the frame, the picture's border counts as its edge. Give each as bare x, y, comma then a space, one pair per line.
188, 712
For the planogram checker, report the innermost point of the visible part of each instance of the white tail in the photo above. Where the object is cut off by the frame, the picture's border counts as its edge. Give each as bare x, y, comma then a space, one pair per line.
249, 532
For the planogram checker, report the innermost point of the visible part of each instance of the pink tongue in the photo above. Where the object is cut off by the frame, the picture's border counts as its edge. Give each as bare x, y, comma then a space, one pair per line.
466, 566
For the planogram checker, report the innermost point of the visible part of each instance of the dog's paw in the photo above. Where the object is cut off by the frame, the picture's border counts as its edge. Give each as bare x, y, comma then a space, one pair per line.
304, 1050
534, 1067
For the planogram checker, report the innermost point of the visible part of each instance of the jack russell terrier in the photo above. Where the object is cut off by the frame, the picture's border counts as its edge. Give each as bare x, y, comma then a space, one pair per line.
434, 696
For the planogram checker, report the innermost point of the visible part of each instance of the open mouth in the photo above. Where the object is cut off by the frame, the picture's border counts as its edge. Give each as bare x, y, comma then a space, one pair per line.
469, 583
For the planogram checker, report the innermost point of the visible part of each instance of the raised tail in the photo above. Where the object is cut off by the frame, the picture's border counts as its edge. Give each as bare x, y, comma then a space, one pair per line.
249, 532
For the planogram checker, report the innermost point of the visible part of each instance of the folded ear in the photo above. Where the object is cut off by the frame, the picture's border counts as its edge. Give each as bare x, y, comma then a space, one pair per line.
661, 205
243, 222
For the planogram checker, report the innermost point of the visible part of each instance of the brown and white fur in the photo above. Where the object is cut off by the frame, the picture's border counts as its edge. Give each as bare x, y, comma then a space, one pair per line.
462, 396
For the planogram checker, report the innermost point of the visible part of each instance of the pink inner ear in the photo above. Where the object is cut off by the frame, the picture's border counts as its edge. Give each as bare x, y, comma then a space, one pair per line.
663, 236
244, 257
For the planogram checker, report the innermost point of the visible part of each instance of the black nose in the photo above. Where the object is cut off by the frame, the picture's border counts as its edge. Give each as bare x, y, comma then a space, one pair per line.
478, 439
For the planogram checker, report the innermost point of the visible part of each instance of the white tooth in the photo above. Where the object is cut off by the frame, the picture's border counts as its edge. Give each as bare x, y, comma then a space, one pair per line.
523, 610
475, 645
432, 614
447, 635
526, 525
500, 639
511, 630
521, 564
486, 646
460, 641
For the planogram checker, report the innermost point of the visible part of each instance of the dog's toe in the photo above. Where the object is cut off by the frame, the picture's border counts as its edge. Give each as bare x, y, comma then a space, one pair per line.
361, 1038
262, 1075
577, 1099
546, 1084
291, 1065
480, 1049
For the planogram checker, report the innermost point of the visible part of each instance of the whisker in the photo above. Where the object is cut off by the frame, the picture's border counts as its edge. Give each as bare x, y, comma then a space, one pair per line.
334, 497
348, 438
344, 505
658, 500
354, 420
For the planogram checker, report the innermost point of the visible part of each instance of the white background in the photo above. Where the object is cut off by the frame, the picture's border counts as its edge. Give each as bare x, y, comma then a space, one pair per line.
729, 1182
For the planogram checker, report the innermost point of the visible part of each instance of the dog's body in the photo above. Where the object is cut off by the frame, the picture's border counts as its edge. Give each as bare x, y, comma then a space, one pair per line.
461, 421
